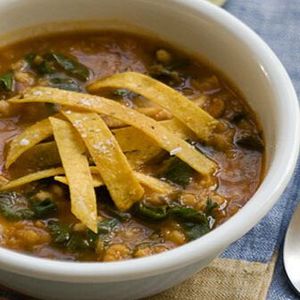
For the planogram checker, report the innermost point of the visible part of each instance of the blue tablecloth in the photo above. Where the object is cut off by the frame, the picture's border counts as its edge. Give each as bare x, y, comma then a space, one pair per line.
278, 23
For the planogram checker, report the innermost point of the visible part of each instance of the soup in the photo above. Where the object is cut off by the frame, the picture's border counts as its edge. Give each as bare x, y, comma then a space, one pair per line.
118, 146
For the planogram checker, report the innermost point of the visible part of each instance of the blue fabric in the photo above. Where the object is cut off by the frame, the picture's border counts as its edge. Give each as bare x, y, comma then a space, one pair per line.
278, 23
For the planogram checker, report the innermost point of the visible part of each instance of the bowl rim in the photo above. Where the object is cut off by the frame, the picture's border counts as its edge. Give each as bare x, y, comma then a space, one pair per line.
210, 244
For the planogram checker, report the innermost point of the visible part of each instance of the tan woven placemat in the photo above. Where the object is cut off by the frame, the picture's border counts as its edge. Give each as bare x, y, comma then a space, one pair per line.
225, 279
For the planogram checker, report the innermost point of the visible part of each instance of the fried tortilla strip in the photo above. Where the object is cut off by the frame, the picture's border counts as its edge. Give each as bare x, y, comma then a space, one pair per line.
111, 162
76, 166
132, 139
97, 181
32, 177
181, 107
27, 139
140, 157
146, 180
163, 137
153, 183
40, 156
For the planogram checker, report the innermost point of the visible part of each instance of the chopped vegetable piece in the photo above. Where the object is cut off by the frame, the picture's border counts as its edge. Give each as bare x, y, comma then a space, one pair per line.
82, 241
150, 212
182, 108
31, 177
121, 92
109, 158
50, 63
44, 208
27, 139
178, 172
119, 215
72, 66
106, 226
153, 129
194, 231
188, 214
40, 64
7, 82
60, 233
76, 166
15, 206
65, 83
210, 207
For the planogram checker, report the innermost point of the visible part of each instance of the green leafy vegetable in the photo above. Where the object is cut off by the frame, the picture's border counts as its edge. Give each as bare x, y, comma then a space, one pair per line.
148, 212
7, 82
60, 233
121, 216
14, 206
195, 230
50, 63
71, 66
82, 241
178, 172
187, 214
210, 207
194, 223
106, 226
65, 83
40, 64
121, 92
43, 208
64, 235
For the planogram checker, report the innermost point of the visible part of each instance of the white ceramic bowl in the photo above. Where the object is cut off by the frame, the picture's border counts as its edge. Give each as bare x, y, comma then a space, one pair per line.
211, 32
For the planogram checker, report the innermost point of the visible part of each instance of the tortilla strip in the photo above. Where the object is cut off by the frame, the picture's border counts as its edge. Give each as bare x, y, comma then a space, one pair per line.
40, 156
198, 120
151, 128
146, 180
139, 158
153, 183
76, 166
132, 139
137, 146
32, 177
97, 181
110, 161
27, 139
155, 113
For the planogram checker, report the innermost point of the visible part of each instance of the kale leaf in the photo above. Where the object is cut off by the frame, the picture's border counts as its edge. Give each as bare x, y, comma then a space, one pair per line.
71, 66
178, 172
150, 212
15, 206
44, 208
7, 82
